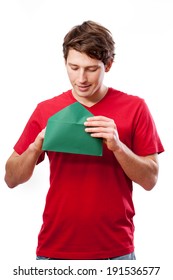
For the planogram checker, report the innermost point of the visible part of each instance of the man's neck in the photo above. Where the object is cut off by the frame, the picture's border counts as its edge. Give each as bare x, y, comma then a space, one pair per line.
92, 100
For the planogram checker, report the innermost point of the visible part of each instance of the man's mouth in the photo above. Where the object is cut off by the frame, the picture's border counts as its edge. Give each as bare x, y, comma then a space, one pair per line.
83, 88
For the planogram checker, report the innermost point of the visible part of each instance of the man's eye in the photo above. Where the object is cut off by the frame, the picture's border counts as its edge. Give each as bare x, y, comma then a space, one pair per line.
74, 68
92, 69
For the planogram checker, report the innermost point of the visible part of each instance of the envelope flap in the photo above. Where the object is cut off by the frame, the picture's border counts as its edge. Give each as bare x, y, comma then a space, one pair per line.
74, 113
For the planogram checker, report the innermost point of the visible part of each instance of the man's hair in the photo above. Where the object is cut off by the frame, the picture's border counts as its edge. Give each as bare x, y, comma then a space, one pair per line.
92, 39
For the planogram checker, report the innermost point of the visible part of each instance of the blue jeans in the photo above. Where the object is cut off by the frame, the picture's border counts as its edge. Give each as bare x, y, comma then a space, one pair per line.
130, 256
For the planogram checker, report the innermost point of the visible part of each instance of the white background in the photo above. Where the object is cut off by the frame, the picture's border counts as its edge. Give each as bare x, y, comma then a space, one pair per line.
32, 69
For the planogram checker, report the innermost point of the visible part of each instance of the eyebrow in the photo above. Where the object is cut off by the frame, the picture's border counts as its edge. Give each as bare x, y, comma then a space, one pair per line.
89, 66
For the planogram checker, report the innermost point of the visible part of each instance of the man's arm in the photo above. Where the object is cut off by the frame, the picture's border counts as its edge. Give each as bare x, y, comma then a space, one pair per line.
141, 170
19, 168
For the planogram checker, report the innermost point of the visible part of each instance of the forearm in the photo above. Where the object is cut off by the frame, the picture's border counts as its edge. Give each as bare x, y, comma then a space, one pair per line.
141, 170
19, 168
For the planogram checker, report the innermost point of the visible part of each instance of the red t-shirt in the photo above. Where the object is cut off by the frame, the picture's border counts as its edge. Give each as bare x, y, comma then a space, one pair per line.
89, 209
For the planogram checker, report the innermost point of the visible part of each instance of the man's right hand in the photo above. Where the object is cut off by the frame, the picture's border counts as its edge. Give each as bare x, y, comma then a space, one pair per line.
37, 144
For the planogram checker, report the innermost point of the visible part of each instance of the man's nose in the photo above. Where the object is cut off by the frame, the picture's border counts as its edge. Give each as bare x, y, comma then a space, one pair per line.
82, 76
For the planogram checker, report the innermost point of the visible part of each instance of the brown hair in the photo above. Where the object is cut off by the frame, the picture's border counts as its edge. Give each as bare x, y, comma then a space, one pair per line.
92, 39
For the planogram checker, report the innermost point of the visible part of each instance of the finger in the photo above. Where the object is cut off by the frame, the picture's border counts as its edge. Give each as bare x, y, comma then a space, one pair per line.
43, 131
98, 118
104, 135
100, 123
99, 129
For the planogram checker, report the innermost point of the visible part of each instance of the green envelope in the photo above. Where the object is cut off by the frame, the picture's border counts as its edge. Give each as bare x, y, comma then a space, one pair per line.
65, 132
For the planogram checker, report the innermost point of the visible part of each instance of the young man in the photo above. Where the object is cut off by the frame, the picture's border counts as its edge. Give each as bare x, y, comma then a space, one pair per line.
89, 209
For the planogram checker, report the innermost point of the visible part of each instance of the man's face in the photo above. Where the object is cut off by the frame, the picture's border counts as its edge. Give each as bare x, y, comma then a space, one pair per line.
85, 74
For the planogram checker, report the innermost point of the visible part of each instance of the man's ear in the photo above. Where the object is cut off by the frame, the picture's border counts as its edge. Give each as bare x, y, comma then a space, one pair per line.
108, 65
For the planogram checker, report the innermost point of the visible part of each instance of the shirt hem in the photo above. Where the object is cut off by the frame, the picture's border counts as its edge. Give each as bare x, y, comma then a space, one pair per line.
84, 255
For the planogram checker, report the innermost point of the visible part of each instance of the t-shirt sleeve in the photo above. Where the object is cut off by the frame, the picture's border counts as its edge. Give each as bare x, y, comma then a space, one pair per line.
146, 140
31, 130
